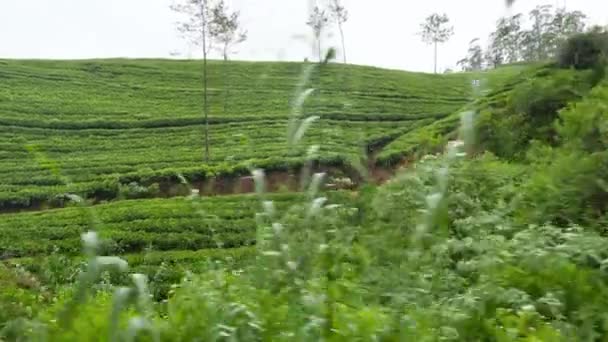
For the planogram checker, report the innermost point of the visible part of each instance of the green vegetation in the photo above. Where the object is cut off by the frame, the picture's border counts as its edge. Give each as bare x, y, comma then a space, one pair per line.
499, 238
136, 93
537, 36
65, 126
432, 138
134, 226
162, 238
158, 155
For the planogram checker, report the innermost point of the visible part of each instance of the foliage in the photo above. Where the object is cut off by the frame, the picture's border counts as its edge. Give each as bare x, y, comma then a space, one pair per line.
585, 51
528, 110
134, 191
134, 226
341, 275
435, 30
115, 103
318, 21
461, 245
494, 86
505, 45
548, 30
21, 294
569, 183
339, 15
474, 59
196, 26
225, 28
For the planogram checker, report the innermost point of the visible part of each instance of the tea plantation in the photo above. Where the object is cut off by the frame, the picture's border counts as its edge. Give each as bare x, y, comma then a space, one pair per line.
87, 127
491, 226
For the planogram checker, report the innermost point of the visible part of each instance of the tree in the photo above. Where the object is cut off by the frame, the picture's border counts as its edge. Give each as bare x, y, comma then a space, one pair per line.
225, 30
474, 59
509, 43
505, 42
435, 30
550, 29
340, 15
493, 57
196, 29
318, 21
586, 51
537, 40
564, 25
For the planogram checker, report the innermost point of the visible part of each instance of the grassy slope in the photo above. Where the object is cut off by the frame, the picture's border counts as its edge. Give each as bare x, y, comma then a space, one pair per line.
138, 91
135, 225
95, 122
177, 228
159, 237
431, 138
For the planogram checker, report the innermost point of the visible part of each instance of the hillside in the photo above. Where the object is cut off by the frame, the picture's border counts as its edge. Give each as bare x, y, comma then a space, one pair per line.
502, 238
90, 127
112, 130
140, 93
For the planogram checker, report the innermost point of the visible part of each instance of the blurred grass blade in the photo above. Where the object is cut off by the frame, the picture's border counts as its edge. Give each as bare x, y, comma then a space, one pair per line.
304, 126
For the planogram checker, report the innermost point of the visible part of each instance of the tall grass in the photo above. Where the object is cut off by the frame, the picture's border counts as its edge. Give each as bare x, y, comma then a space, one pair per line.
442, 252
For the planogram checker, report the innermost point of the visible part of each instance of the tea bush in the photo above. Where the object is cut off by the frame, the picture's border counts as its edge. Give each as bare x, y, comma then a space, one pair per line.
481, 242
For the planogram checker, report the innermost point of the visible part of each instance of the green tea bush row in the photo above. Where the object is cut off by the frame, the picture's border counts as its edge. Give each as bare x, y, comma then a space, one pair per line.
381, 275
124, 93
95, 164
133, 226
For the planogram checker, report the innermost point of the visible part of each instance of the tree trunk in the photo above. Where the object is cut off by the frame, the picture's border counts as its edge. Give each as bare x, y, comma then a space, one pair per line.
205, 99
342, 38
435, 57
225, 79
319, 48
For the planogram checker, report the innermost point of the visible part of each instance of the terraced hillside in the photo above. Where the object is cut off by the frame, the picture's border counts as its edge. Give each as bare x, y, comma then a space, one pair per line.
90, 127
163, 238
112, 93
111, 130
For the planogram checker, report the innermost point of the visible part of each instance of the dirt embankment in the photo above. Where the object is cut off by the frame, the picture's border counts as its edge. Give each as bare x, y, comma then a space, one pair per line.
337, 178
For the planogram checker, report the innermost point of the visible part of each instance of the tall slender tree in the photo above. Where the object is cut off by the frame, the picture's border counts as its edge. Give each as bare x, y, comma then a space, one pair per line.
339, 14
435, 30
226, 31
318, 21
225, 28
565, 24
505, 42
195, 27
537, 40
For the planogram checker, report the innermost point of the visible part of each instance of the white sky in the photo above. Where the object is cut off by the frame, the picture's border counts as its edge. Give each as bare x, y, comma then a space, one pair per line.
379, 32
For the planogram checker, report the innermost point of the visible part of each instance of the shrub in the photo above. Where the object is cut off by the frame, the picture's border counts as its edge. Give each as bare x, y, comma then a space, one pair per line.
583, 125
584, 51
569, 183
134, 190
20, 295
529, 113
566, 191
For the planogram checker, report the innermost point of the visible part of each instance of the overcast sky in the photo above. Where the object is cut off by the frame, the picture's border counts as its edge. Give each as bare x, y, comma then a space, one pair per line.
380, 32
